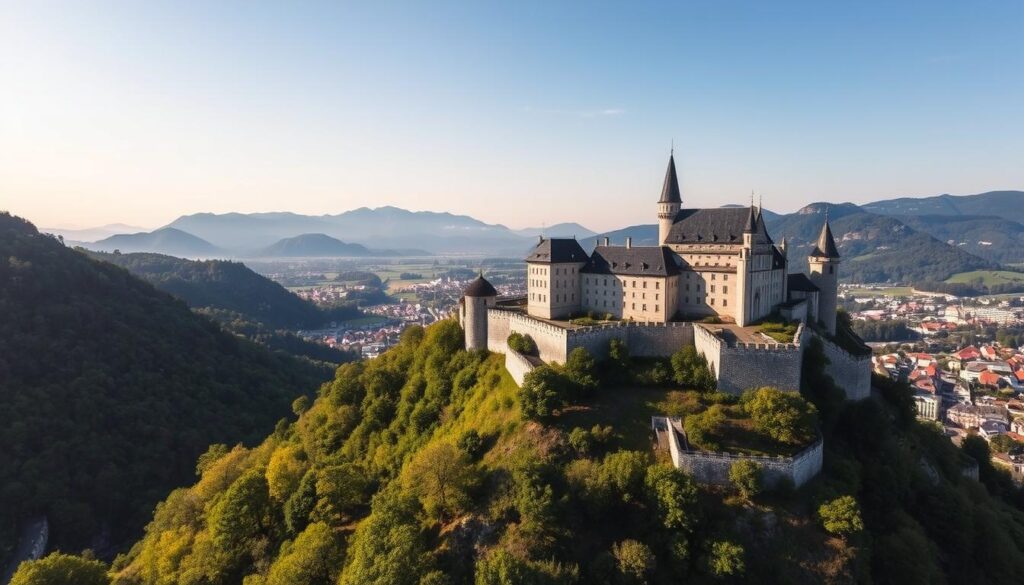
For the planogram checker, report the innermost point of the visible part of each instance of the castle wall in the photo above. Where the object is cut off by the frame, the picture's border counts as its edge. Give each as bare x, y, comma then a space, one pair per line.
517, 365
742, 366
713, 468
852, 373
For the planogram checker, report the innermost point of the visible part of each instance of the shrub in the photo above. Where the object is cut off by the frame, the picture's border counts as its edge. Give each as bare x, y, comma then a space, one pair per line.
745, 476
581, 441
711, 319
841, 516
542, 392
583, 321
691, 370
579, 369
522, 344
634, 559
726, 558
783, 416
701, 429
471, 443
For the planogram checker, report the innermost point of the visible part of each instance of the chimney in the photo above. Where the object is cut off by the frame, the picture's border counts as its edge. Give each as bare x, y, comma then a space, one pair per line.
629, 242
607, 241
540, 239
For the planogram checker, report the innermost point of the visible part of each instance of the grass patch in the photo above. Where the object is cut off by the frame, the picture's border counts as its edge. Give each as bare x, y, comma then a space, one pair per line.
891, 291
987, 277
780, 331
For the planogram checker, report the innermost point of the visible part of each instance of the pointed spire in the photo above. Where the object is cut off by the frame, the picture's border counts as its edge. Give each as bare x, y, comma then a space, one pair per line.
751, 225
825, 247
670, 190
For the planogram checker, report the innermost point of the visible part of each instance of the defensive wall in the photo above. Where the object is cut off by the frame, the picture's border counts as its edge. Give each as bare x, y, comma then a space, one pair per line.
737, 366
713, 468
850, 372
517, 365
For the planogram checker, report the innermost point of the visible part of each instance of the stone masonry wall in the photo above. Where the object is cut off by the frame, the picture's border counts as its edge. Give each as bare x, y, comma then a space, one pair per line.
713, 468
517, 365
852, 373
741, 366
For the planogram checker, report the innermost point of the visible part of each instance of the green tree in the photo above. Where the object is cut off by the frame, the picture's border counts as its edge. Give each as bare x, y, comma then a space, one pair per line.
673, 496
745, 476
783, 416
841, 516
301, 503
341, 490
542, 392
284, 471
726, 558
441, 476
581, 441
471, 444
313, 559
690, 369
702, 429
634, 560
580, 368
388, 547
61, 569
625, 471
242, 516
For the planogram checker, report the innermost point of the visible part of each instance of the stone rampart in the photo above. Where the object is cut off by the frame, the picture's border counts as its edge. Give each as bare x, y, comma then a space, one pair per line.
740, 366
852, 373
517, 365
713, 468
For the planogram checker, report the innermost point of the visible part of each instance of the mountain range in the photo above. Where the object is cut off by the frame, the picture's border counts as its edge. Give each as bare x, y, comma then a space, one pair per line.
902, 239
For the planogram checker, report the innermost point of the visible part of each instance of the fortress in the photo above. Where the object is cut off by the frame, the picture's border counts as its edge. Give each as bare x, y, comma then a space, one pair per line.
715, 274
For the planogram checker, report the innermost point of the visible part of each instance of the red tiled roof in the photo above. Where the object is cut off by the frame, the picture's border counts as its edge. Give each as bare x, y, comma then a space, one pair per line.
988, 378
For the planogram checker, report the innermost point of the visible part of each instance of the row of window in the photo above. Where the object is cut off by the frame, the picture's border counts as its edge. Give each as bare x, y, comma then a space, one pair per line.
604, 304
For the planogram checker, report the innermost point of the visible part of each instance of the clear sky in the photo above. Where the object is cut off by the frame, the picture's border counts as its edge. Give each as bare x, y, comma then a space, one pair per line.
523, 113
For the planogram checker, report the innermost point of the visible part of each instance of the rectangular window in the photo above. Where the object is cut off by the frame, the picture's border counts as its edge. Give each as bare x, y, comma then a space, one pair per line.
655, 308
725, 302
725, 290
712, 288
634, 306
645, 308
645, 284
712, 301
725, 277
657, 285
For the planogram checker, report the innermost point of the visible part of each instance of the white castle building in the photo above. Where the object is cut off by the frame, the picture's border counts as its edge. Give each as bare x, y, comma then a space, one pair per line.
718, 262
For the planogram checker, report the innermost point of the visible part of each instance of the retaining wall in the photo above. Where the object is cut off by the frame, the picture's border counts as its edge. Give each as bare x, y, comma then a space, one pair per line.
740, 366
713, 468
517, 365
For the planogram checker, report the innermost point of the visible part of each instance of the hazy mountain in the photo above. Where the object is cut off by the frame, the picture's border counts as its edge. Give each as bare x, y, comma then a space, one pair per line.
559, 230
874, 248
313, 246
383, 227
95, 233
170, 241
1005, 204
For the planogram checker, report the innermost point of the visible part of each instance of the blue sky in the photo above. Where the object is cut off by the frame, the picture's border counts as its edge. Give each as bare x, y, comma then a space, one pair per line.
520, 113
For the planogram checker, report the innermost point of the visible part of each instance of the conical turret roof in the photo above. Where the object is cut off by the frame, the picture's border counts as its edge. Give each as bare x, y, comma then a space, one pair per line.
670, 190
825, 247
480, 288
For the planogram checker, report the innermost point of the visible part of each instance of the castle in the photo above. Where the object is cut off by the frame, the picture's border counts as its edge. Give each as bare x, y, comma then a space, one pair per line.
715, 273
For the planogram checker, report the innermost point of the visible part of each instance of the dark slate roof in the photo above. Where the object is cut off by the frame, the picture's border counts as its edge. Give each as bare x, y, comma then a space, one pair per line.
826, 244
723, 225
778, 259
480, 288
557, 250
670, 189
800, 282
633, 261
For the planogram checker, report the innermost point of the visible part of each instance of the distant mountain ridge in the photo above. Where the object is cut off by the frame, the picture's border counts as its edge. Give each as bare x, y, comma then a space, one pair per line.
559, 230
166, 240
1005, 204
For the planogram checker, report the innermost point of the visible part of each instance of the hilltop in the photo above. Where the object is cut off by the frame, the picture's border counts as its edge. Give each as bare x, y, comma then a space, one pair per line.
429, 465
111, 389
165, 240
1006, 204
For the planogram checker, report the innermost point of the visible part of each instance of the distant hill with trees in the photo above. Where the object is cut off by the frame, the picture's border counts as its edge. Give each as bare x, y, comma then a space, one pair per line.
111, 389
166, 240
1006, 204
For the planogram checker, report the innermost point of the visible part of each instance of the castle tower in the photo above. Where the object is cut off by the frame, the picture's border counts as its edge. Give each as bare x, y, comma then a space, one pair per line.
824, 273
670, 201
476, 299
744, 266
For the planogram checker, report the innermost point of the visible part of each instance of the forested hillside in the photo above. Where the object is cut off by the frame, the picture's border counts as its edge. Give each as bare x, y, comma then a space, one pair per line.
110, 389
229, 286
993, 238
429, 466
874, 248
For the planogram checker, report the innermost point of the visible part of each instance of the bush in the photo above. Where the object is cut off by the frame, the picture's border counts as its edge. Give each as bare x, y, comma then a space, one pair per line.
701, 429
581, 441
523, 344
634, 560
841, 516
579, 369
542, 393
783, 416
61, 569
471, 443
583, 321
726, 558
691, 370
711, 319
745, 476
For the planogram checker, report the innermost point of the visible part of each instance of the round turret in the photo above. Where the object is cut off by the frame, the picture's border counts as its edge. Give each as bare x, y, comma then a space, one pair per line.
476, 299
